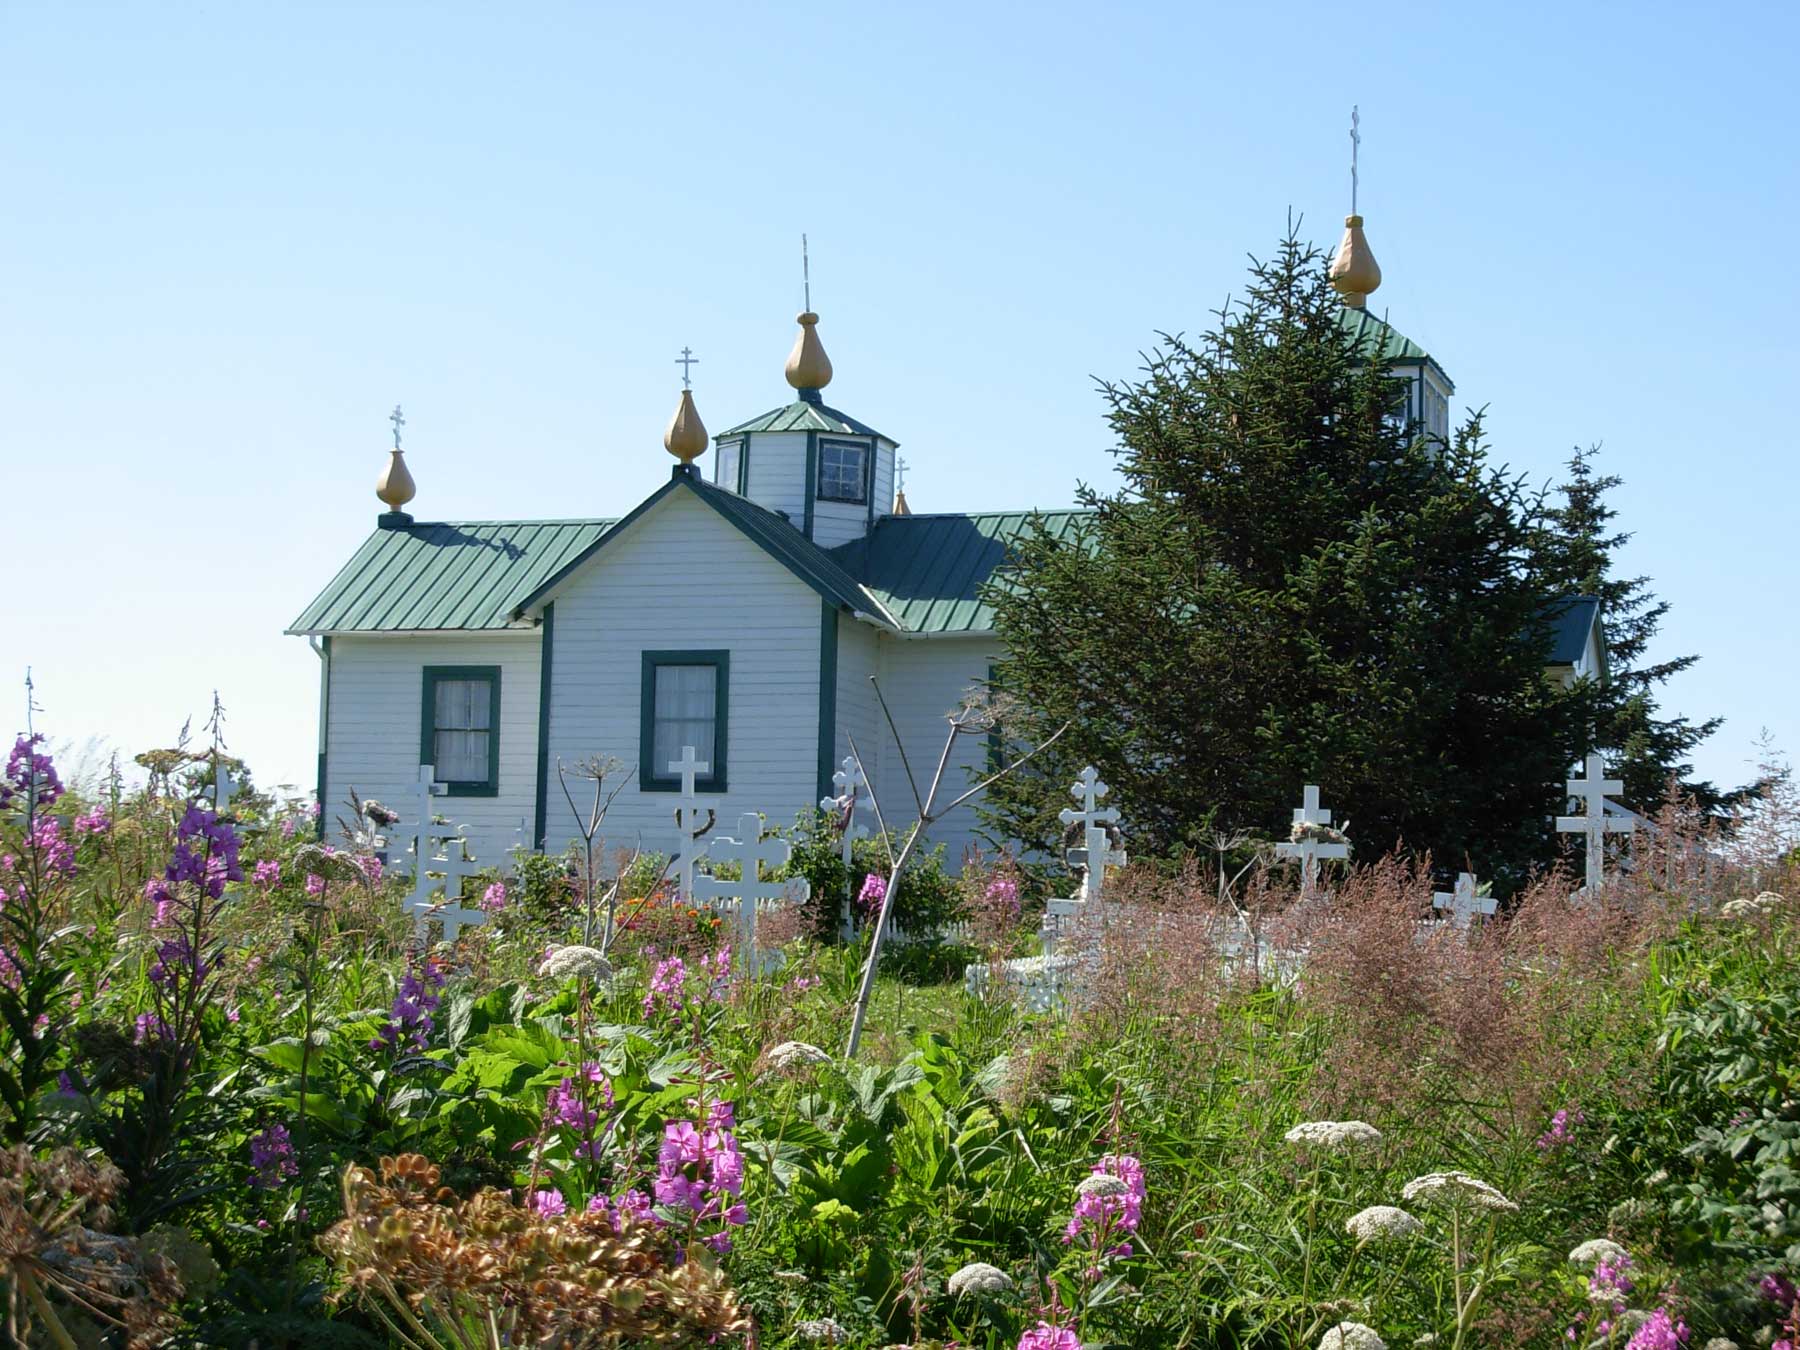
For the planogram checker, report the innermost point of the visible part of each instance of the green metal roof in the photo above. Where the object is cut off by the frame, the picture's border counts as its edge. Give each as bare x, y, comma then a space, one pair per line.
1571, 621
445, 575
1387, 342
804, 415
929, 570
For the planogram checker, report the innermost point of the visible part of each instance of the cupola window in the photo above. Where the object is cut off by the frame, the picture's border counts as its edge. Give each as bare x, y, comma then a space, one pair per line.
843, 472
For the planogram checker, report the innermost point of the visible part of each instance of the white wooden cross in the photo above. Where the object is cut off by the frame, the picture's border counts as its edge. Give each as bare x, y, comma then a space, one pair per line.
690, 819
422, 841
752, 853
1462, 904
1308, 849
1096, 851
850, 783
1591, 791
224, 787
455, 865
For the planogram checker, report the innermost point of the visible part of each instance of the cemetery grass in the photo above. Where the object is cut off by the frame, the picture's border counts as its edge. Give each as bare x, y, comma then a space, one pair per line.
258, 1114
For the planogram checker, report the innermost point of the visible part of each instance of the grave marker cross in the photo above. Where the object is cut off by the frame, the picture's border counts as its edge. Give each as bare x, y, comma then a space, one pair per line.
224, 787
690, 819
849, 782
752, 853
1308, 848
1462, 904
1096, 851
455, 865
1593, 822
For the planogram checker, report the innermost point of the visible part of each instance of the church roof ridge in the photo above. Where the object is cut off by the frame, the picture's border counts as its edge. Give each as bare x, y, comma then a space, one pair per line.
804, 415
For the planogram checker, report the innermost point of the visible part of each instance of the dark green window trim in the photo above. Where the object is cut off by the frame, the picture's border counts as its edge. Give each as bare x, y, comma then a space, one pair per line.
324, 728
743, 482
812, 481
540, 817
655, 777
868, 467
828, 658
427, 728
739, 476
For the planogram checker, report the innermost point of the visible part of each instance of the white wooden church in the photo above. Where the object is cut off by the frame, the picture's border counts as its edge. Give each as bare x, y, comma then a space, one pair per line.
491, 650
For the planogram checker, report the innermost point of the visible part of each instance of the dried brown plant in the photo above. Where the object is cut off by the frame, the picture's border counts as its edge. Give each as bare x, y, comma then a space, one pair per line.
63, 1272
439, 1270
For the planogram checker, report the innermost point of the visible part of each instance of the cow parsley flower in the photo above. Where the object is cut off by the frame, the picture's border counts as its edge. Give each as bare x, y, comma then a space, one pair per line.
791, 1054
1595, 1250
1351, 1336
822, 1330
1334, 1134
1381, 1223
1102, 1185
978, 1277
580, 963
1720, 1343
1454, 1190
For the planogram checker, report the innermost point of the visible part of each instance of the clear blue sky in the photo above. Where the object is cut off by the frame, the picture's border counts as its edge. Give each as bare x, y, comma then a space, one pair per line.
235, 236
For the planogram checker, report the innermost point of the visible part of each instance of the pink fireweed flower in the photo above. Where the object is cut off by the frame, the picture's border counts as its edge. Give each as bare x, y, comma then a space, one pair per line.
493, 899
370, 865
1002, 895
57, 853
267, 873
93, 822
315, 884
1661, 1332
699, 1169
1561, 1129
1109, 1204
547, 1204
874, 891
1048, 1336
29, 772
666, 987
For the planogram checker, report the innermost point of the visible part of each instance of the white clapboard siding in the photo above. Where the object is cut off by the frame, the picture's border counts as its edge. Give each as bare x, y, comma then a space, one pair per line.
372, 742
884, 478
859, 655
683, 578
778, 473
837, 523
923, 681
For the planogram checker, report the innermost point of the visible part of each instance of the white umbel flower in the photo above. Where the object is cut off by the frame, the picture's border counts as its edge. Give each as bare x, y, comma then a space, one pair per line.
1455, 1190
1381, 1223
1351, 1336
579, 963
791, 1054
1334, 1134
1102, 1184
978, 1277
1720, 1343
1595, 1250
823, 1330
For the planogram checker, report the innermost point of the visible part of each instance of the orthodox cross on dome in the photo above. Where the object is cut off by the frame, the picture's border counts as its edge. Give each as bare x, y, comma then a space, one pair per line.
694, 816
687, 360
1462, 904
753, 854
1312, 838
1355, 145
900, 467
1096, 851
1591, 791
399, 420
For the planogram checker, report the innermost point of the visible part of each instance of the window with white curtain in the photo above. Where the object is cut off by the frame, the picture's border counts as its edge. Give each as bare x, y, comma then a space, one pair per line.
460, 735
685, 700
843, 471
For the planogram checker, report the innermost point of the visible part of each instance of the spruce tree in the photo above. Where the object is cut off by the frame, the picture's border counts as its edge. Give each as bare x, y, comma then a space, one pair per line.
1293, 586
1579, 552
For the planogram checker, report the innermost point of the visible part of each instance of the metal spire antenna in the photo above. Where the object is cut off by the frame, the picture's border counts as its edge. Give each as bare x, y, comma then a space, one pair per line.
805, 276
399, 420
687, 361
1355, 145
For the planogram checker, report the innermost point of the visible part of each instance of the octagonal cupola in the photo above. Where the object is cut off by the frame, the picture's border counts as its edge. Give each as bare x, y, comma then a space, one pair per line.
828, 473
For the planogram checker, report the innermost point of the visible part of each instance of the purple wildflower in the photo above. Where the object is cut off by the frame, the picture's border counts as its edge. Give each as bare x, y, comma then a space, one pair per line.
699, 1169
267, 873
410, 1022
272, 1155
95, 821
58, 853
29, 772
547, 1204
493, 899
1778, 1289
1561, 1130
1048, 1336
1661, 1332
666, 987
874, 891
